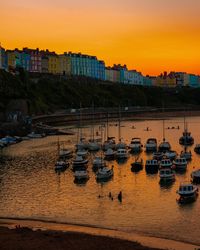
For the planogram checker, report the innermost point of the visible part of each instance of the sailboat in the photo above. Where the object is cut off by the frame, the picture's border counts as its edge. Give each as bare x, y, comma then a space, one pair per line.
109, 143
93, 144
186, 139
164, 145
121, 144
60, 164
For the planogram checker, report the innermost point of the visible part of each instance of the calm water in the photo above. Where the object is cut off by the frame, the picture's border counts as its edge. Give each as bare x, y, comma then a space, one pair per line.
30, 188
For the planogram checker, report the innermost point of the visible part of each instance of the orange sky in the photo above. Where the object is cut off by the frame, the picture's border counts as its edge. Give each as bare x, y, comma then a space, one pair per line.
148, 35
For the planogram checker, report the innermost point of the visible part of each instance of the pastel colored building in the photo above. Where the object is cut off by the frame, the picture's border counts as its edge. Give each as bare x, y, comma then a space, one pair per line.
45, 64
3, 59
64, 65
85, 65
18, 58
53, 63
12, 60
193, 81
112, 75
35, 59
148, 80
166, 80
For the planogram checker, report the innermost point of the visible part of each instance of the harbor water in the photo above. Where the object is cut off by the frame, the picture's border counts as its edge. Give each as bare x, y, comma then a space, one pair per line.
30, 188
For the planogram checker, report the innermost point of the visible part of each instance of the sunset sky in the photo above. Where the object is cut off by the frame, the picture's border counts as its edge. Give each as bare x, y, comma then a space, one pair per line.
148, 35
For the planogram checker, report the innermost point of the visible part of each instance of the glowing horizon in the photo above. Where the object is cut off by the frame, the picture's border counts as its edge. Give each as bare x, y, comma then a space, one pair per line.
146, 35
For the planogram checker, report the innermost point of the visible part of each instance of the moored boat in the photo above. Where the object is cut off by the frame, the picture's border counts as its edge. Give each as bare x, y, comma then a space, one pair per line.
122, 153
195, 175
180, 163
186, 154
137, 165
61, 165
81, 175
135, 145
166, 174
197, 149
188, 192
151, 145
104, 173
164, 146
109, 154
151, 166
166, 163
171, 154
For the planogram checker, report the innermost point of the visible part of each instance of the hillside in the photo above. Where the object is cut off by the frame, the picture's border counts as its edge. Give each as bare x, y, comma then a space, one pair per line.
44, 94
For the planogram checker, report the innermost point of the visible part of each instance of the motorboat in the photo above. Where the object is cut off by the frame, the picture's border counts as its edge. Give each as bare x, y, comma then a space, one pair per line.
8, 140
166, 174
61, 165
166, 163
122, 153
137, 165
109, 154
135, 145
104, 173
180, 163
171, 154
196, 176
164, 146
81, 175
151, 145
197, 149
151, 166
188, 192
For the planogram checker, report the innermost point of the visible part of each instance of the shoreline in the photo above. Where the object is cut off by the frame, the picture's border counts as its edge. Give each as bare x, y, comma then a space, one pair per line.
89, 232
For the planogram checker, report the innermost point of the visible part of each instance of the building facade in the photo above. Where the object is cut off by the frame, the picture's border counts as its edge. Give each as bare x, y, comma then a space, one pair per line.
3, 59
35, 59
64, 65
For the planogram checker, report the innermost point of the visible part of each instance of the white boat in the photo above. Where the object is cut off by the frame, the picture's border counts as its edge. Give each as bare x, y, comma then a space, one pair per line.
164, 145
151, 145
166, 163
180, 163
109, 154
186, 139
188, 192
104, 173
81, 175
170, 154
122, 153
135, 145
82, 152
151, 166
61, 165
166, 174
158, 156
196, 176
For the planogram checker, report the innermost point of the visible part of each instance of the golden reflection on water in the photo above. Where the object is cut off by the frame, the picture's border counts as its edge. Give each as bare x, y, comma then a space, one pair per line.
30, 188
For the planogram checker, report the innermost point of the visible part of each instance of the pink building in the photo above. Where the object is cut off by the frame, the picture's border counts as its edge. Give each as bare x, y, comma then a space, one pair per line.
36, 59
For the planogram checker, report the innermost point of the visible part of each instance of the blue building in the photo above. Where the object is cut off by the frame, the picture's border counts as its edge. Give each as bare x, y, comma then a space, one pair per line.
193, 81
85, 65
23, 59
3, 59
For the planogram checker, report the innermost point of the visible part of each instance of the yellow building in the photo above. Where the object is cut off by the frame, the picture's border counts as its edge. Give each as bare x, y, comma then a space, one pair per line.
11, 58
64, 65
53, 63
165, 80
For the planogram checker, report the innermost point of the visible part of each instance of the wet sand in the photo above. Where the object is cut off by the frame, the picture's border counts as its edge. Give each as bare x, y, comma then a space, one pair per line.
38, 234
24, 238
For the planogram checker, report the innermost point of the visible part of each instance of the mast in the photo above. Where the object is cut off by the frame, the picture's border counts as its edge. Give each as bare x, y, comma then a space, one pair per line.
119, 128
163, 130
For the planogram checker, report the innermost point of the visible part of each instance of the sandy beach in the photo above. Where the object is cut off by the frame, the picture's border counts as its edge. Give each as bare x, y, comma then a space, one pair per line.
24, 238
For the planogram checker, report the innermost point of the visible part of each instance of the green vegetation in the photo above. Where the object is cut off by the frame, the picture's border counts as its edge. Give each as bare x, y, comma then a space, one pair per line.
49, 93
